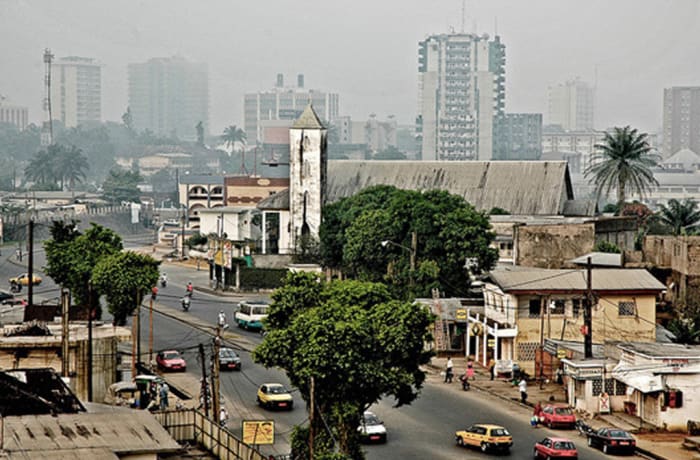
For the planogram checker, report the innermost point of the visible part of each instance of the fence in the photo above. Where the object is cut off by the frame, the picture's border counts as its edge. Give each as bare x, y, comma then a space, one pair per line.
192, 426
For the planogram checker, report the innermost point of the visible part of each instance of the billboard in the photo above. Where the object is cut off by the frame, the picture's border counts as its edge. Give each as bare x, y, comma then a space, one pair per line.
258, 432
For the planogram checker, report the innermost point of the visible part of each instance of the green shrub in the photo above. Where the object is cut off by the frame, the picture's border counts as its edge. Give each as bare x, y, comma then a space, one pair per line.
261, 278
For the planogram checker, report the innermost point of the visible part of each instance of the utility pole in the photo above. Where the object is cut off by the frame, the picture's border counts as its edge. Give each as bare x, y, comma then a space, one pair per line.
204, 391
182, 236
414, 250
312, 408
216, 407
30, 262
89, 357
138, 326
587, 313
543, 306
65, 350
150, 332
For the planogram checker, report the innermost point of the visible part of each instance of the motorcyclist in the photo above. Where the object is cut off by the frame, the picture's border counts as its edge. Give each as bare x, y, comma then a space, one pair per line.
185, 302
163, 279
190, 288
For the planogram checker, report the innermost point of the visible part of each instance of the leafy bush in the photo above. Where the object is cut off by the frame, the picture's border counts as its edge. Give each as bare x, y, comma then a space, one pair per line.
605, 246
261, 278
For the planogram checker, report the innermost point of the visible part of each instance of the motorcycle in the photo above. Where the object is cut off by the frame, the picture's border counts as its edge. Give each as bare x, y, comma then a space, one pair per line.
163, 282
465, 382
583, 428
185, 303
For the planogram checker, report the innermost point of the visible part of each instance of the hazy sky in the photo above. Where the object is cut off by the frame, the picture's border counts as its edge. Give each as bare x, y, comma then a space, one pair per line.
366, 50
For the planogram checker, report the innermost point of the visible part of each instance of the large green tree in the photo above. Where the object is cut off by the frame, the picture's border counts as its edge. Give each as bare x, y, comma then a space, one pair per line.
232, 136
681, 217
350, 338
122, 185
125, 278
449, 231
71, 257
623, 160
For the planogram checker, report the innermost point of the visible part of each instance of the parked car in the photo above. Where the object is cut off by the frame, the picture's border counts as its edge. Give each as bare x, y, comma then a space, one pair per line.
612, 440
371, 429
275, 396
486, 437
558, 415
23, 279
555, 448
229, 359
171, 360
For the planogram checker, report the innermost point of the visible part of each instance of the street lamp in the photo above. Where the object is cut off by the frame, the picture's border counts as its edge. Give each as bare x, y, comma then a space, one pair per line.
412, 250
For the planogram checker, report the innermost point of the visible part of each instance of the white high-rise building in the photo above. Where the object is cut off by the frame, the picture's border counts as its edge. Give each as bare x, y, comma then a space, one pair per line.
285, 103
681, 119
76, 90
461, 96
571, 105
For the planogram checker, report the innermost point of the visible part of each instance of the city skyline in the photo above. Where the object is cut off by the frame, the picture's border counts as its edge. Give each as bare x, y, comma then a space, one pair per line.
373, 70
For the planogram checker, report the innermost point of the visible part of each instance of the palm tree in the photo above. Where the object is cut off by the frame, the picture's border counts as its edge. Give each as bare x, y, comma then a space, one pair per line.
233, 134
680, 216
72, 166
41, 168
624, 159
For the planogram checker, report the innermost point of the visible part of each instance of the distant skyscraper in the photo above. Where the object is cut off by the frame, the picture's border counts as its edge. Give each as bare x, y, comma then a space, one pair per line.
76, 90
285, 103
14, 115
681, 119
169, 96
519, 137
461, 95
571, 105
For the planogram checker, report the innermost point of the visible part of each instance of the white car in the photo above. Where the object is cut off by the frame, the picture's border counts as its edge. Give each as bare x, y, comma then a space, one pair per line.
371, 429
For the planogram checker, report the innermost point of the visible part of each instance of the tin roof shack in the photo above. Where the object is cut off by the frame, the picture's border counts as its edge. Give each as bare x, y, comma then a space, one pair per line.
540, 304
663, 382
36, 391
117, 434
22, 346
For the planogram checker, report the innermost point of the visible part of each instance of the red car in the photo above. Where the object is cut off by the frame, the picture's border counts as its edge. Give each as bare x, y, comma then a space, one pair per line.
555, 415
555, 448
170, 360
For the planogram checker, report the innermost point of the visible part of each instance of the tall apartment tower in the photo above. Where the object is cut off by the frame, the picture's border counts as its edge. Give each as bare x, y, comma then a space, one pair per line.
681, 119
76, 90
461, 96
285, 103
571, 105
169, 96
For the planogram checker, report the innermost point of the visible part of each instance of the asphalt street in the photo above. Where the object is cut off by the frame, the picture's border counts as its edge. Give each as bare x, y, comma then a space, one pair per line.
422, 430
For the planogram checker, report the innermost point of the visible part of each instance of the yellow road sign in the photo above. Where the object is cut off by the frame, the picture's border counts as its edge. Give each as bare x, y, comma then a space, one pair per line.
258, 431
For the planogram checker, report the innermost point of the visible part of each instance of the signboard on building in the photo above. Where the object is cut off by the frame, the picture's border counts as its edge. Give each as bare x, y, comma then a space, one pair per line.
461, 314
258, 431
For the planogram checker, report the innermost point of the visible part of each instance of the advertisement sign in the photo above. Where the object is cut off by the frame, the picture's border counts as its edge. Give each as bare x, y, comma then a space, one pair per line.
258, 431
461, 314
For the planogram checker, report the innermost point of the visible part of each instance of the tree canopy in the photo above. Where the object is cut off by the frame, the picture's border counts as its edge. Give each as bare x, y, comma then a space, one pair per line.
71, 257
623, 160
125, 278
122, 185
449, 231
353, 339
681, 217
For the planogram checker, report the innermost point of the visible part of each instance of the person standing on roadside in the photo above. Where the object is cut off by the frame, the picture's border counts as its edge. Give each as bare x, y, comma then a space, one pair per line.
492, 368
522, 386
470, 370
448, 370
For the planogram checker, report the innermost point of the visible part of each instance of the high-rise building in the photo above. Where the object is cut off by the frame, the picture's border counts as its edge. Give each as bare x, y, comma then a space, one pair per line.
681, 119
571, 105
285, 103
76, 90
169, 96
519, 137
14, 115
461, 95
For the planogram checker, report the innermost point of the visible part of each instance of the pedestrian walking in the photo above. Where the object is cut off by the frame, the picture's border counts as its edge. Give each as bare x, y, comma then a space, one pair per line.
470, 370
164, 389
222, 320
448, 370
223, 417
522, 386
492, 368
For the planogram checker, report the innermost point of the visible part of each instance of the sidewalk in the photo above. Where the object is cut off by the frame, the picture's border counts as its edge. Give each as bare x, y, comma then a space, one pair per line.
661, 446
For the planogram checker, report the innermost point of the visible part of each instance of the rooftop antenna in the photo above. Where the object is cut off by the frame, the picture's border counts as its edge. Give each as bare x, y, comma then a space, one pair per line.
495, 26
464, 14
48, 57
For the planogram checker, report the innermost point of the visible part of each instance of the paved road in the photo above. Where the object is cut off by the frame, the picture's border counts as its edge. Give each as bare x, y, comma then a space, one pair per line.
423, 430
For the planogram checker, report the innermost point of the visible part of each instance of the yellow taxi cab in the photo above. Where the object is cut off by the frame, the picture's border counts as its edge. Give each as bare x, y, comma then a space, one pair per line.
486, 437
23, 279
275, 396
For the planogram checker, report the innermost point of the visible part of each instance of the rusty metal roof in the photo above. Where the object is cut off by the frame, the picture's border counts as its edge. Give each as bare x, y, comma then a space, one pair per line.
610, 279
131, 432
519, 187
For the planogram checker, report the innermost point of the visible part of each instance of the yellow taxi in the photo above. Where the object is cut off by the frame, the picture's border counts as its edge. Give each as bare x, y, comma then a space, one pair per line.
486, 437
23, 280
275, 396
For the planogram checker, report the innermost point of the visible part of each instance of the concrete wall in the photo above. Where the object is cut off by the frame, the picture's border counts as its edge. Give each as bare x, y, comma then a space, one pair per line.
680, 254
552, 246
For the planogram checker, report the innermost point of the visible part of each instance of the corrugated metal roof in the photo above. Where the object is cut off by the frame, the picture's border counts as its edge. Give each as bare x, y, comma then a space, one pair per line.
519, 187
73, 454
600, 259
611, 279
662, 350
136, 431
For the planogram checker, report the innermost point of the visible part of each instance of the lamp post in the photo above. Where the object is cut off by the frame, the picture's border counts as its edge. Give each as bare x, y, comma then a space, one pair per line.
412, 251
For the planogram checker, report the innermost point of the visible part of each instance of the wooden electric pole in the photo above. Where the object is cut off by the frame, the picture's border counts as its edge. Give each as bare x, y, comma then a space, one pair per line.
312, 408
215, 405
587, 313
65, 340
150, 332
89, 357
204, 389
30, 263
138, 326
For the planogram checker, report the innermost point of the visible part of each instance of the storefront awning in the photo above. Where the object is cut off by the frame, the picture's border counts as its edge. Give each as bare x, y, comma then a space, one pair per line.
643, 381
